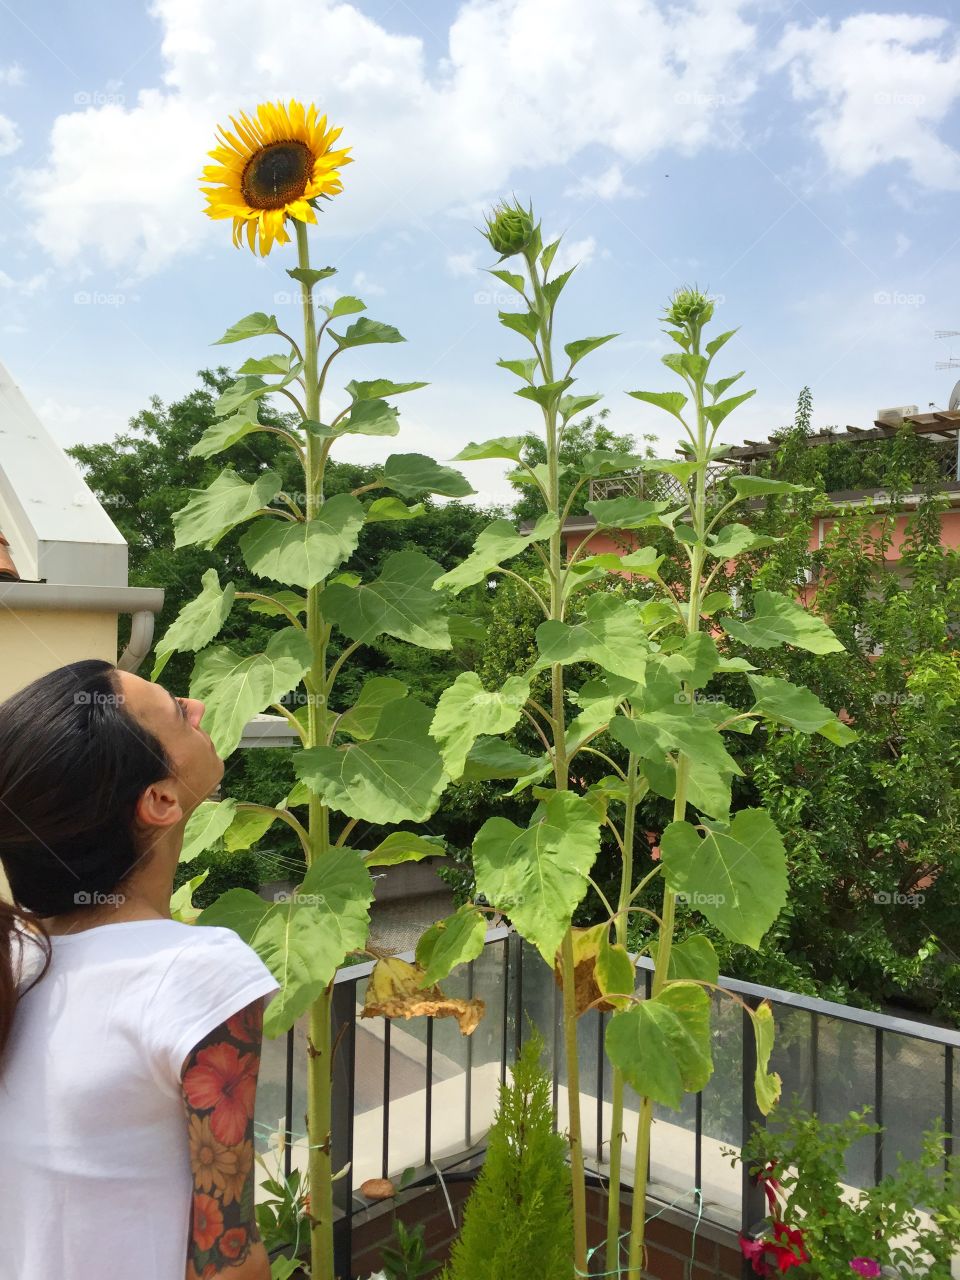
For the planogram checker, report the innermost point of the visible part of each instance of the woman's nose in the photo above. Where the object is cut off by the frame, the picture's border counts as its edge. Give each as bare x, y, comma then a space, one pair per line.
197, 708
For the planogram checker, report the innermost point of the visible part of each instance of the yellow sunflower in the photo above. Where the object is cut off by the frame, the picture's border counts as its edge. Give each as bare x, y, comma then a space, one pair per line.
272, 168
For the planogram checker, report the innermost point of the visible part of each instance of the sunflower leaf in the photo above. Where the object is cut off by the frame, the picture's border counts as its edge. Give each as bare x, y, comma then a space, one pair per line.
310, 275
214, 511
364, 331
197, 622
381, 387
345, 306
255, 325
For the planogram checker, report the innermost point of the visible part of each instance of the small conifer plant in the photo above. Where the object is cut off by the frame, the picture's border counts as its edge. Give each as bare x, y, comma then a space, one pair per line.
519, 1219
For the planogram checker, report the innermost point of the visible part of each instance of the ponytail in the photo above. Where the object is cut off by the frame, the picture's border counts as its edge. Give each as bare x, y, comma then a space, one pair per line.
73, 764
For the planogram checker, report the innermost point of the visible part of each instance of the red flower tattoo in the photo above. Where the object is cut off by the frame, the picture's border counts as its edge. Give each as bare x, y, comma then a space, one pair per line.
207, 1222
226, 1081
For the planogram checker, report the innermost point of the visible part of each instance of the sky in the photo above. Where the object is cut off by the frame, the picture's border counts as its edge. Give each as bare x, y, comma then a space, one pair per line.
799, 161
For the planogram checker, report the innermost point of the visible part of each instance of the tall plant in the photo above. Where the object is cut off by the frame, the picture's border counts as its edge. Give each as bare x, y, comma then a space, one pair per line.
372, 762
653, 660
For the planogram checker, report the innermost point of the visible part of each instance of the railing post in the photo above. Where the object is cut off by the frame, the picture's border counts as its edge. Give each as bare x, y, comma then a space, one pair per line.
343, 1069
752, 1200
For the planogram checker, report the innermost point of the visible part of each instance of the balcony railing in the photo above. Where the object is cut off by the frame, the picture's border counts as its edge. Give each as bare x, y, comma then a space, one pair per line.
654, 486
416, 1094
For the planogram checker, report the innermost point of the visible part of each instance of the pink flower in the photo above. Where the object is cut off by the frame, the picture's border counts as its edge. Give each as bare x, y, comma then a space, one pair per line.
865, 1266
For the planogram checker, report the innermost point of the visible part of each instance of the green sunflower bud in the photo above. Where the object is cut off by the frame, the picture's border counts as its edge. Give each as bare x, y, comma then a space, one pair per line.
510, 228
689, 306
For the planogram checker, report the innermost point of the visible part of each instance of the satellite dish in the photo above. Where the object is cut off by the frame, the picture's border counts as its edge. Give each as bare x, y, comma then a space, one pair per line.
954, 399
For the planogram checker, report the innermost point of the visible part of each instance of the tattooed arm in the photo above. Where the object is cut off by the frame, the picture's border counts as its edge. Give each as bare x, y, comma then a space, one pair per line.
219, 1085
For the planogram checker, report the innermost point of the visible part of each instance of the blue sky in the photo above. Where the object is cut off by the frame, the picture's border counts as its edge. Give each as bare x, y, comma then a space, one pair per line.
799, 160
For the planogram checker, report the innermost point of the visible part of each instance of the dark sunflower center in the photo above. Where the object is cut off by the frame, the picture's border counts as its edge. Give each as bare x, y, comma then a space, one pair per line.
276, 175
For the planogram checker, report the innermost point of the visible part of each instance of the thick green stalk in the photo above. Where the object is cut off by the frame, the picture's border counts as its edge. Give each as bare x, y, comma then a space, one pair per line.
665, 944
319, 1064
617, 1135
571, 1047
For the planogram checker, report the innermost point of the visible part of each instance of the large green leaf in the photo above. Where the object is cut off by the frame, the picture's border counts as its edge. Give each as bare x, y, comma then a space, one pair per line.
236, 688
304, 936
490, 758
499, 541
672, 401
662, 1045
206, 825
370, 418
694, 959
736, 875
214, 511
404, 846
361, 720
538, 874
221, 435
255, 325
345, 306
410, 474
734, 539
466, 710
610, 634
450, 942
302, 553
625, 513
380, 387
796, 706
400, 603
760, 486
715, 413
247, 827
766, 1083
779, 620
509, 447
583, 346
364, 331
250, 387
197, 622
395, 776
392, 508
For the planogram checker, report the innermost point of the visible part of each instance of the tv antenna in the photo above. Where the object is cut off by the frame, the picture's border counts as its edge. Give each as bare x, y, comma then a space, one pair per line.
952, 362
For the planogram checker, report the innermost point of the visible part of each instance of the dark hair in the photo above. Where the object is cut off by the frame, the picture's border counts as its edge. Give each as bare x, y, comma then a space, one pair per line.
73, 763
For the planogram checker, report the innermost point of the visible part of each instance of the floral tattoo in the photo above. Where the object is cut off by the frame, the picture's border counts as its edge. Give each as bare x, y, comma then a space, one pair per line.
219, 1085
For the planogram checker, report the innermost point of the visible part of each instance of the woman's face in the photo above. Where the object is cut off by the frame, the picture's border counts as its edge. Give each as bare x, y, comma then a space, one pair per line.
195, 765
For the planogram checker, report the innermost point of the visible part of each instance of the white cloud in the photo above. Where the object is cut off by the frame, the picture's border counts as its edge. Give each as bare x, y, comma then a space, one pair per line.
120, 181
363, 283
27, 287
903, 243
462, 264
603, 186
12, 75
879, 85
9, 136
571, 253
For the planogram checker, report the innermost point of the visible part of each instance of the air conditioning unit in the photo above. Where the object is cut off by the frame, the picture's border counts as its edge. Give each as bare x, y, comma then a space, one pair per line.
894, 417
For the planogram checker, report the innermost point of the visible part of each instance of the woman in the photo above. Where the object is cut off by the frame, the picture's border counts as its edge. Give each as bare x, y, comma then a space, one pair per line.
129, 1043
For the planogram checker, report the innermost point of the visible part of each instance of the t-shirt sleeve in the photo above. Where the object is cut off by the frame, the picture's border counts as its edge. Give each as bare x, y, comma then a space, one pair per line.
210, 978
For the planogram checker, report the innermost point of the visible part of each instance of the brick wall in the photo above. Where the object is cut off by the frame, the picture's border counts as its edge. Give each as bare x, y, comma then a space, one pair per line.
670, 1247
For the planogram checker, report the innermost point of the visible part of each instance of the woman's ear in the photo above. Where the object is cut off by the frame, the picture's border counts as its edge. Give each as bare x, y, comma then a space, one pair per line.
159, 805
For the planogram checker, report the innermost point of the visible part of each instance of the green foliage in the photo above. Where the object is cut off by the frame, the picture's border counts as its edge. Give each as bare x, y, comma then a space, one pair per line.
518, 1219
406, 1258
911, 1219
240, 870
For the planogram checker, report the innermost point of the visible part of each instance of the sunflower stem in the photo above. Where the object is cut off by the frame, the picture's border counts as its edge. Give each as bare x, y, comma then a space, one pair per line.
319, 1062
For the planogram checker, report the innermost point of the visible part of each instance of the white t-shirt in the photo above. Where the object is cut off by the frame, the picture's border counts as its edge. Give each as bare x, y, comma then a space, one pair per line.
95, 1178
